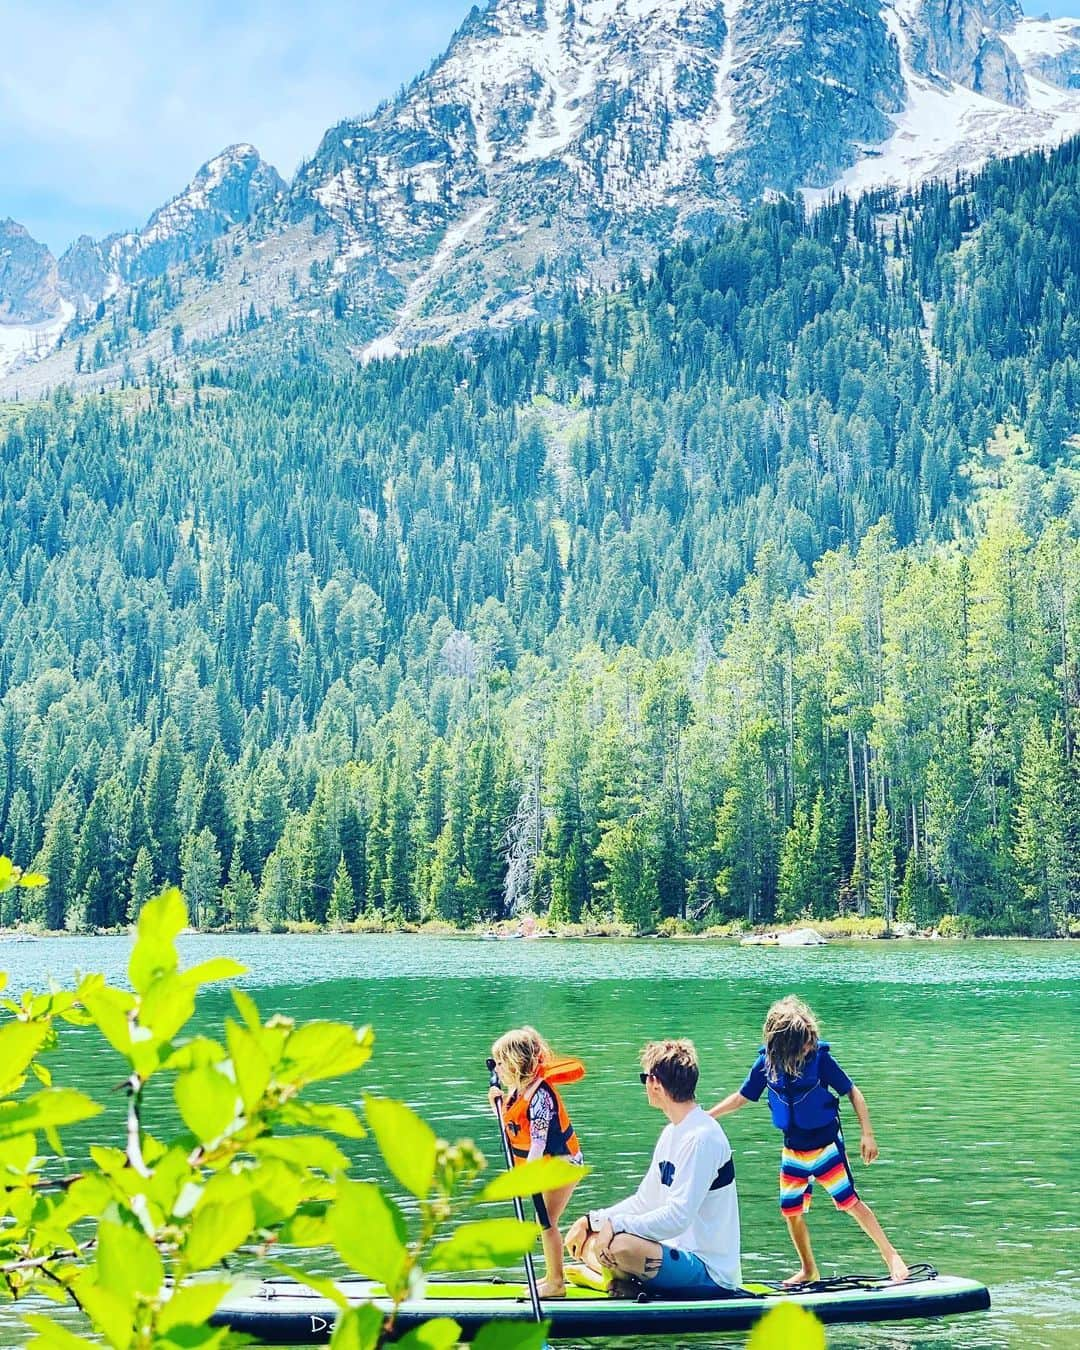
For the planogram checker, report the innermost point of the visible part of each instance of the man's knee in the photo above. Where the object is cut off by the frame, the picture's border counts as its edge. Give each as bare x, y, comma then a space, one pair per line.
625, 1247
633, 1255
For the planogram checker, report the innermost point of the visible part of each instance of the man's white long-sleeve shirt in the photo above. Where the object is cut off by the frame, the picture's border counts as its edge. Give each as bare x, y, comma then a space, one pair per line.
687, 1198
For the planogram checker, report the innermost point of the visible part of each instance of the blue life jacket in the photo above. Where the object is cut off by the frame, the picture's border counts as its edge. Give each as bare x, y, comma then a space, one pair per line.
802, 1102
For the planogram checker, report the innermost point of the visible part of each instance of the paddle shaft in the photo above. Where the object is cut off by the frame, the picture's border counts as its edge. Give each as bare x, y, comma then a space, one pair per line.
530, 1272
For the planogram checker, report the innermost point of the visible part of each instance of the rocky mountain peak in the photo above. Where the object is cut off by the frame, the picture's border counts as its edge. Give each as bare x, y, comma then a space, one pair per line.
555, 142
28, 281
227, 190
960, 40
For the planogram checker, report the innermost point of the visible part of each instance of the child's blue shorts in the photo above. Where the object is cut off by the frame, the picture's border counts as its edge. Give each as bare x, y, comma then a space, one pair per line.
683, 1272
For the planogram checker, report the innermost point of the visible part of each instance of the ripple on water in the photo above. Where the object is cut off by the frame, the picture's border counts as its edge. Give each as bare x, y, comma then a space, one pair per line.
983, 968
950, 1043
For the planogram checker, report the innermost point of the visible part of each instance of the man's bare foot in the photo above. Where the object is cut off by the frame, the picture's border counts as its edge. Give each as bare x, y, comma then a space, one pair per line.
801, 1276
898, 1271
549, 1289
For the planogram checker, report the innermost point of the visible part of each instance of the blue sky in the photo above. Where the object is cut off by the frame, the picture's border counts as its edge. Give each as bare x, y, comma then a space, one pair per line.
108, 107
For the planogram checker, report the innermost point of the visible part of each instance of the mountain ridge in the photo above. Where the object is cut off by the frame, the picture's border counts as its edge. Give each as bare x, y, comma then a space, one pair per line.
557, 144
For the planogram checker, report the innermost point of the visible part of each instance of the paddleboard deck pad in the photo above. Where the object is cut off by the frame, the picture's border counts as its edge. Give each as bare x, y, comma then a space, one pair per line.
282, 1312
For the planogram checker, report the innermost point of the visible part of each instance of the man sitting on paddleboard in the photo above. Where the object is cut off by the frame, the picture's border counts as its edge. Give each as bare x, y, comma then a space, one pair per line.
679, 1231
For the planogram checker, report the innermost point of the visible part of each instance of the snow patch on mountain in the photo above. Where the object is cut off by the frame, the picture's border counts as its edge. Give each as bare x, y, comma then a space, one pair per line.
1034, 38
945, 126
20, 343
721, 134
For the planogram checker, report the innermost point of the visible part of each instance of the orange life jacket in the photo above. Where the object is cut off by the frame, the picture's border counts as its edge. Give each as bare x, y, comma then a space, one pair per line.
562, 1141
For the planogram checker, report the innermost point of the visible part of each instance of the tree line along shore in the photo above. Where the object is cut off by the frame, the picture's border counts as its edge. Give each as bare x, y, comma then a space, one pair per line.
746, 593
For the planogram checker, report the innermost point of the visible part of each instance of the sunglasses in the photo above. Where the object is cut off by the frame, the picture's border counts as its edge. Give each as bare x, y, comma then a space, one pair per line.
645, 1077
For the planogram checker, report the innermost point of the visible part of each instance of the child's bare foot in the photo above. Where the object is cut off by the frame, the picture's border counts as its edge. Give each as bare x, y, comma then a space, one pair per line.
549, 1289
803, 1276
898, 1271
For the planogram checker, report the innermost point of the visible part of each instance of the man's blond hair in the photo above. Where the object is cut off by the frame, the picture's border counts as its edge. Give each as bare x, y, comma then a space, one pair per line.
674, 1065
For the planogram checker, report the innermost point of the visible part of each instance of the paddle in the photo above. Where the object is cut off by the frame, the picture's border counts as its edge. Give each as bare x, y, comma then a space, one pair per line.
530, 1273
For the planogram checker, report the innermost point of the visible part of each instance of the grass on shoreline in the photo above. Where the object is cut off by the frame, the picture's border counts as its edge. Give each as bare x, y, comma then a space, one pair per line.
848, 927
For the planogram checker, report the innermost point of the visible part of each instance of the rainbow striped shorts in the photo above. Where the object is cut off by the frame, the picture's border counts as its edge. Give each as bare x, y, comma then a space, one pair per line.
800, 1168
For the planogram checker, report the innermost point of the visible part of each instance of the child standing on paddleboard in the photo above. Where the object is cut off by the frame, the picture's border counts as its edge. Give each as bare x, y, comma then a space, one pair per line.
796, 1069
537, 1126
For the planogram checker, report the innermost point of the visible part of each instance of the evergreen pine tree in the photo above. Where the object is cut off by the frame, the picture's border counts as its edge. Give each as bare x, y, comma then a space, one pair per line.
342, 899
141, 885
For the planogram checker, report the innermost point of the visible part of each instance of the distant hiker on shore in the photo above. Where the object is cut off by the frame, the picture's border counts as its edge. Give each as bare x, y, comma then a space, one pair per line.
796, 1069
679, 1231
537, 1126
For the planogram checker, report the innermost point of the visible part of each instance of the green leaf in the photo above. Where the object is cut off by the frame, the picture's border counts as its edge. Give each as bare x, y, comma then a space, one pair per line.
321, 1116
325, 1050
90, 1195
439, 1334
108, 1160
248, 1009
483, 1245
166, 1006
188, 1337
17, 1155
207, 1101
215, 1231
787, 1327
545, 1174
217, 968
154, 955
358, 1329
191, 1304
226, 1188
250, 1064
109, 1009
51, 1107
306, 1230
108, 1311
151, 959
128, 1262
41, 1073
19, 1043
164, 917
276, 1191
327, 1288
511, 1336
306, 1150
50, 1335
406, 1142
369, 1232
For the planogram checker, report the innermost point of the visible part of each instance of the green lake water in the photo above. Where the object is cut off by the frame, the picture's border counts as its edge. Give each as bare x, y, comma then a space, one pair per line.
967, 1054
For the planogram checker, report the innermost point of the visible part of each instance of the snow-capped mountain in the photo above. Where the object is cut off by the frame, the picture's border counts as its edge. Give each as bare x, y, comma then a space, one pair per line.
556, 140
226, 191
33, 313
39, 296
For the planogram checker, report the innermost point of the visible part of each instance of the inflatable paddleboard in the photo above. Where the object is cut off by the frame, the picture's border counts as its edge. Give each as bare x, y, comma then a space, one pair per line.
282, 1312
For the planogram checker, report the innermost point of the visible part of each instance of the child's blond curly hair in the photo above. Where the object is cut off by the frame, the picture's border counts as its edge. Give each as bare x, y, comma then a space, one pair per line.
523, 1051
791, 1035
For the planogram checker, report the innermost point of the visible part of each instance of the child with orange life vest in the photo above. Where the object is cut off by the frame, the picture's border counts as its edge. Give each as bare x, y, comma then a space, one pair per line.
537, 1126
799, 1074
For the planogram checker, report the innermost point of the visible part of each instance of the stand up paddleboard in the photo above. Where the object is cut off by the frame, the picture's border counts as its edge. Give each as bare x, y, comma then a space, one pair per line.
282, 1312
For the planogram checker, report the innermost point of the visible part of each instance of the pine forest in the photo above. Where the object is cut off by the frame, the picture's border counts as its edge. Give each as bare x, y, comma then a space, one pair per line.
745, 592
